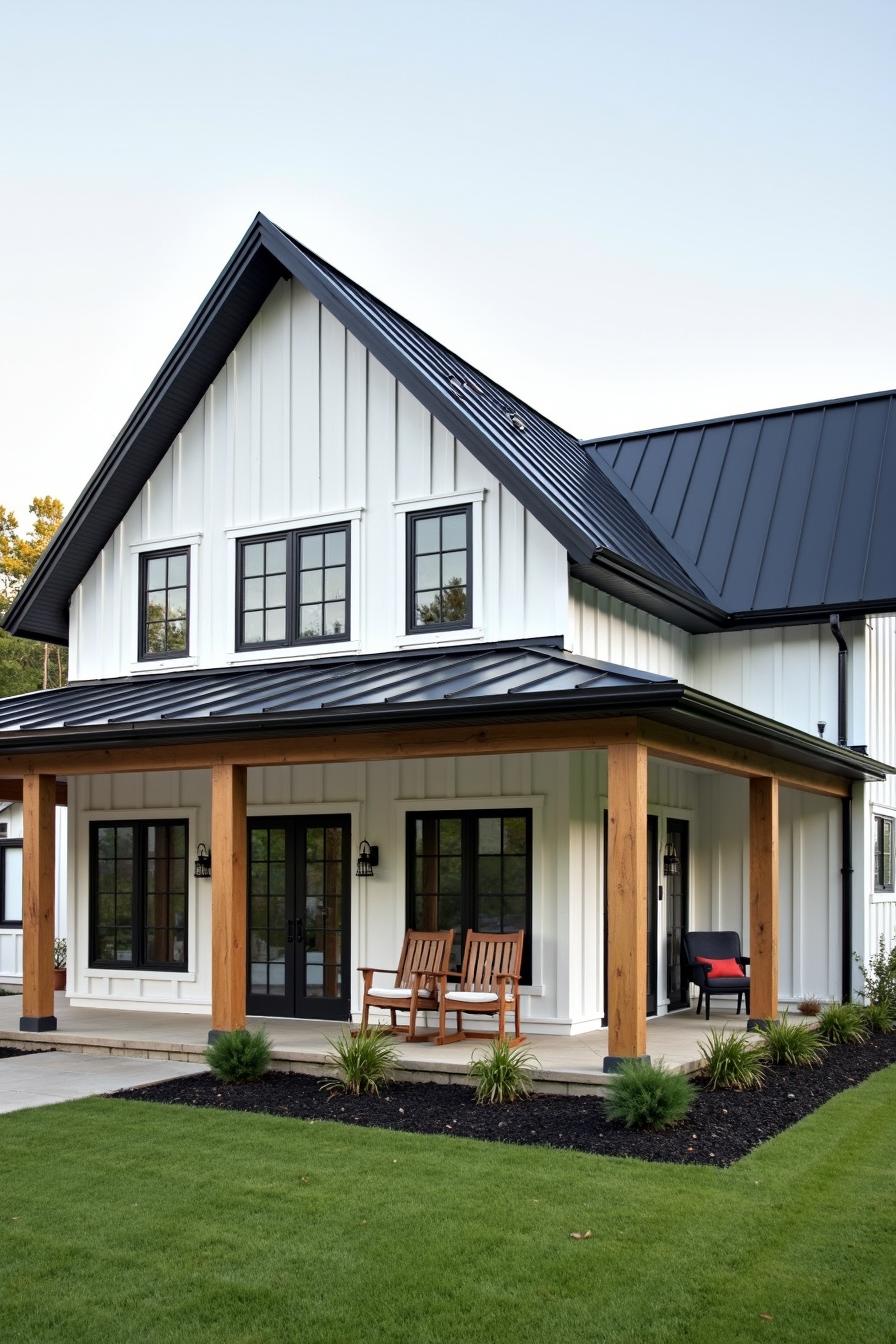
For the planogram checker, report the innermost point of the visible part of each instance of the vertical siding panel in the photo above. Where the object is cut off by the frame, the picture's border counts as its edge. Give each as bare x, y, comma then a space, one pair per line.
355, 423
305, 415
412, 448
332, 413
274, 402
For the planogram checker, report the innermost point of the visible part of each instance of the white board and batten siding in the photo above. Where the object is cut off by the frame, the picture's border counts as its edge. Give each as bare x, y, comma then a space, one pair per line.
880, 907
11, 937
303, 424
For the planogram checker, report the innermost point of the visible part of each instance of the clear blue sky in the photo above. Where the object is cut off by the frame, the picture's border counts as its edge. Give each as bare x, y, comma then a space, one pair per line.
630, 213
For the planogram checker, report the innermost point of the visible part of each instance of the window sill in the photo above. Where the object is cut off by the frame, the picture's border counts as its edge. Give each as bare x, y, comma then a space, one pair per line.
292, 652
468, 635
135, 973
149, 665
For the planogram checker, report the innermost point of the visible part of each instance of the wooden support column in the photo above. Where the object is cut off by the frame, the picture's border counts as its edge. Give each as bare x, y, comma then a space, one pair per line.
38, 902
626, 905
228, 846
763, 900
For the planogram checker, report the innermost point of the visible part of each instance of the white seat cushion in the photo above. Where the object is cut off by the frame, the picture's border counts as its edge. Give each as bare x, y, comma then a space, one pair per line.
470, 996
397, 992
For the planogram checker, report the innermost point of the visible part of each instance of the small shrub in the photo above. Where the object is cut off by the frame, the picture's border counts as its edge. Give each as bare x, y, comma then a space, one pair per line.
879, 976
793, 1043
809, 1007
879, 1017
240, 1056
364, 1062
842, 1024
502, 1073
732, 1061
647, 1096
59, 954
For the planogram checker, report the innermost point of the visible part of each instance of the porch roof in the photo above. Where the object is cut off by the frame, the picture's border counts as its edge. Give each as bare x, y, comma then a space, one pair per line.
485, 683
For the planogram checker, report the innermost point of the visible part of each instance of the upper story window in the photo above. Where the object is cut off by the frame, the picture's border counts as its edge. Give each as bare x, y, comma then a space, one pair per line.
165, 604
439, 569
883, 853
292, 588
10, 881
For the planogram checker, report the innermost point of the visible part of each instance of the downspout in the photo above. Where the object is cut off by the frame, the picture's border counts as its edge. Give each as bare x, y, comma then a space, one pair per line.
845, 820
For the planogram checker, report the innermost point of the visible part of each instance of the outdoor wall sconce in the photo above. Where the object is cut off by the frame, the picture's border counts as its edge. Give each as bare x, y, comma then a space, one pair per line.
671, 863
203, 864
368, 859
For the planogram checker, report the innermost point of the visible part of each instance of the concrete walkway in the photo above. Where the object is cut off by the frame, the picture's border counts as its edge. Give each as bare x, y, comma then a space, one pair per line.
48, 1077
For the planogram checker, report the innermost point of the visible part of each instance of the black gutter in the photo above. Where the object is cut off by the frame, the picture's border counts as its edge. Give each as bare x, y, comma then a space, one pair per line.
846, 870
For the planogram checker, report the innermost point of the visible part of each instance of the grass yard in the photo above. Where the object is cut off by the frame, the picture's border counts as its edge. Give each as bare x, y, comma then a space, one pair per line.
129, 1221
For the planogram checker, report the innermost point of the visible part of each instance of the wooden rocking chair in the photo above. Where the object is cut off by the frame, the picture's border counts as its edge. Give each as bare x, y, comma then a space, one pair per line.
424, 955
489, 982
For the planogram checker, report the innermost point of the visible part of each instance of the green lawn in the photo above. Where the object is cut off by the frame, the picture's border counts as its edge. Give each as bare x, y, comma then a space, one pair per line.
126, 1221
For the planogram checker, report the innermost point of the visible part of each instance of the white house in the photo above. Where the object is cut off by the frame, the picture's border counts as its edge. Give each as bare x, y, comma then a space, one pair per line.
11, 830
330, 583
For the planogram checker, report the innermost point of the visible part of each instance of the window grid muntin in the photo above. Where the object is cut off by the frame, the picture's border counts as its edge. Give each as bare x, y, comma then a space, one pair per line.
423, 545
165, 573
467, 901
294, 605
128, 926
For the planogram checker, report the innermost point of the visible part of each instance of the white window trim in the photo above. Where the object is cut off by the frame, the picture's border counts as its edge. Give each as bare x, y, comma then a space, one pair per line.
81, 954
142, 666
888, 814
294, 524
466, 634
488, 803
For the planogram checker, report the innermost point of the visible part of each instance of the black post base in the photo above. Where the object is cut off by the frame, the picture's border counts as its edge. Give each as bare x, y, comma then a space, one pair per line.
758, 1023
613, 1063
215, 1034
37, 1024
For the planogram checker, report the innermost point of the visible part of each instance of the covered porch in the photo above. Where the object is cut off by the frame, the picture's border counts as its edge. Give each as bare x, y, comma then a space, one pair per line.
492, 702
566, 1064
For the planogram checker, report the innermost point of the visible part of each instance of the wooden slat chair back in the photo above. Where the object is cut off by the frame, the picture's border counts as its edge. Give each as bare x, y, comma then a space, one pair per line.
489, 982
424, 955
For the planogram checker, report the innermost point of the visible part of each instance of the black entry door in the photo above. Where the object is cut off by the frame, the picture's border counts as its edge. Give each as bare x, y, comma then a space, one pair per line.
652, 912
675, 889
299, 903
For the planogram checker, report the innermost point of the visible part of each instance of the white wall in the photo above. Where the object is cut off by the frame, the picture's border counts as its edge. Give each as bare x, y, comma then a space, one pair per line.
879, 910
600, 626
303, 422
377, 795
11, 939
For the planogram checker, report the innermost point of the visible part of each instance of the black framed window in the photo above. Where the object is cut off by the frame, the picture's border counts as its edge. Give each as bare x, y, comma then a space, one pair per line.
439, 569
293, 588
883, 853
10, 883
165, 604
138, 894
471, 870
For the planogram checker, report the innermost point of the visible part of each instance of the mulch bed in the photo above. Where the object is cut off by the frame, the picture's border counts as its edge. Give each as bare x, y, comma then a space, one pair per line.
722, 1126
12, 1052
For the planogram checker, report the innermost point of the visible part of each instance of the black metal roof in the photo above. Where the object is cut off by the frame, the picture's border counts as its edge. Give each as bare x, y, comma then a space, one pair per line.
493, 683
540, 463
776, 512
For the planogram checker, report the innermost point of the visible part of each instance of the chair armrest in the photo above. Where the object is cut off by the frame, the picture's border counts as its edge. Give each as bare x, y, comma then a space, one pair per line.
744, 961
507, 975
377, 970
698, 972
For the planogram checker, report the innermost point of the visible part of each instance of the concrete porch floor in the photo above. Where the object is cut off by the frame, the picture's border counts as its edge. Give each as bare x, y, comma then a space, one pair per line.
566, 1064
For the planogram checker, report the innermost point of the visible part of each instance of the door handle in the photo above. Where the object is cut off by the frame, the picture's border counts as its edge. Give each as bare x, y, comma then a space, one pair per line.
300, 930
290, 930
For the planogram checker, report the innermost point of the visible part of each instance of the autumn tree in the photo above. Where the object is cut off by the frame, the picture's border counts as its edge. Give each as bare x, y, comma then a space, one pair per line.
26, 665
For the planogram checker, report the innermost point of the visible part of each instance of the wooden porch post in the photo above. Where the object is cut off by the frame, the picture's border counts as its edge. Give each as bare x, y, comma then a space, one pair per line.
38, 902
228, 848
763, 900
627, 905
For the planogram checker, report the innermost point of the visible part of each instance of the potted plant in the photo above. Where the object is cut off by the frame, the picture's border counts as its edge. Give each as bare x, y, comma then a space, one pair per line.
59, 950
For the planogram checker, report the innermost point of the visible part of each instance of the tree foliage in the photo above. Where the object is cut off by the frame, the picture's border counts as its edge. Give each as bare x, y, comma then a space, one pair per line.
25, 664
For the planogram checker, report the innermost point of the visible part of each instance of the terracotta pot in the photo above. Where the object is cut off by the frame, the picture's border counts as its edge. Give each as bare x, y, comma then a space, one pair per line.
59, 977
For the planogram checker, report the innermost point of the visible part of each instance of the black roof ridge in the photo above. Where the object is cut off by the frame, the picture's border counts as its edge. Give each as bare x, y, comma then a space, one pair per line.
601, 439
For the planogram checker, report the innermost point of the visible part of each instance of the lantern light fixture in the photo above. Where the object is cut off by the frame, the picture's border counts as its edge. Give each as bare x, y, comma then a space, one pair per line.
203, 865
368, 859
671, 861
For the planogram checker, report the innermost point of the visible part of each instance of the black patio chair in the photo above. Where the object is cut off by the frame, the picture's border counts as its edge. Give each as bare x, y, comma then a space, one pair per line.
717, 947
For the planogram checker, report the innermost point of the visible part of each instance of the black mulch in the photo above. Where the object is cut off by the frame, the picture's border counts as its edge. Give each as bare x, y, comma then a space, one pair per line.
12, 1052
722, 1126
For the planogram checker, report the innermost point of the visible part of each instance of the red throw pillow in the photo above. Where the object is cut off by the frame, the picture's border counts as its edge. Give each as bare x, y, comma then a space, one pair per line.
719, 969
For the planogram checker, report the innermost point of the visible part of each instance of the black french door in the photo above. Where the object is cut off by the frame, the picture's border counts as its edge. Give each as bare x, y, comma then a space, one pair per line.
653, 899
299, 901
675, 891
